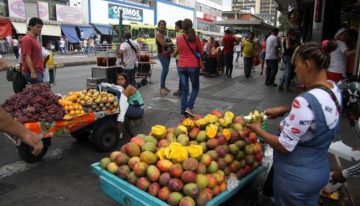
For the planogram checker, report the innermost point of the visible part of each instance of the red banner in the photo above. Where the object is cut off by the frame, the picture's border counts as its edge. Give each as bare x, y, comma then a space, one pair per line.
5, 28
209, 17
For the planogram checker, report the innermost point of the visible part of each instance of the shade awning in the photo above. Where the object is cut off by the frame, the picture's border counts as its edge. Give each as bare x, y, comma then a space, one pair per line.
5, 28
51, 30
88, 31
20, 27
103, 29
70, 33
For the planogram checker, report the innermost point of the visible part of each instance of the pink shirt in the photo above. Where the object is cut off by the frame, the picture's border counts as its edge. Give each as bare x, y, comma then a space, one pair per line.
186, 57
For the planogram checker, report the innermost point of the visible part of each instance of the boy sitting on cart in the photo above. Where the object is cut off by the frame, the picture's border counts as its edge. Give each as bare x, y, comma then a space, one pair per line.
131, 103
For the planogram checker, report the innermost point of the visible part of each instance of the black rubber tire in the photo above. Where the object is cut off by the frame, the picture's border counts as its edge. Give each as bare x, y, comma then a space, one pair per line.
81, 135
25, 150
106, 136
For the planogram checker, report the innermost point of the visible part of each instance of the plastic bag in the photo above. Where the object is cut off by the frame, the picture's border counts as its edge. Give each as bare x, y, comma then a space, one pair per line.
10, 74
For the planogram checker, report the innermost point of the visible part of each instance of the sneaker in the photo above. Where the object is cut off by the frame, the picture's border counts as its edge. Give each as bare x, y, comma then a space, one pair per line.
163, 92
273, 84
168, 90
190, 113
177, 93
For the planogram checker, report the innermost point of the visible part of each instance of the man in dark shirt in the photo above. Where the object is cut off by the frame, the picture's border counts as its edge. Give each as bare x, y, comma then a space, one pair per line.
228, 42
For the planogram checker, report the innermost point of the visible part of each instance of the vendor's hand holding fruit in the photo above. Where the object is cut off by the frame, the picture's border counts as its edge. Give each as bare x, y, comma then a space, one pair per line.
275, 112
33, 141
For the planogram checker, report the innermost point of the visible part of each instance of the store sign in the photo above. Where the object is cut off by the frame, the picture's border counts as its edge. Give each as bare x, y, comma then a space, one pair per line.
17, 9
209, 17
69, 14
128, 13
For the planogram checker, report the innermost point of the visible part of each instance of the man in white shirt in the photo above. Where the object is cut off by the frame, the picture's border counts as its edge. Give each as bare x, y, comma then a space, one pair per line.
129, 57
62, 45
272, 57
15, 47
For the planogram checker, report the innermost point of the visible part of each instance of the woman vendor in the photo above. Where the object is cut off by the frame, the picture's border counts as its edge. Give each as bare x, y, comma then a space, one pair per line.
301, 167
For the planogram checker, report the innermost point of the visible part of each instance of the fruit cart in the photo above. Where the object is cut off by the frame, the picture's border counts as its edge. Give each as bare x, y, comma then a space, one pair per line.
127, 194
100, 127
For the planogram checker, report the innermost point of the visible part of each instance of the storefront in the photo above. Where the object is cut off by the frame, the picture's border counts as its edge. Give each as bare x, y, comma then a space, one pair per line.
108, 12
171, 13
206, 24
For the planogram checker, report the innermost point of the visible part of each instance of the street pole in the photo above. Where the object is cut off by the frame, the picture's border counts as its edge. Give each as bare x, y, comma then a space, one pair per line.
121, 31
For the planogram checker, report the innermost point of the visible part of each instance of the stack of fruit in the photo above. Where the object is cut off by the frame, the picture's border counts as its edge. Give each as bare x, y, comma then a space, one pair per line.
71, 105
79, 103
189, 164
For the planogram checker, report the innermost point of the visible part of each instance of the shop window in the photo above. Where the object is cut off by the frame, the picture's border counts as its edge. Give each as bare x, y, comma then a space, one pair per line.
52, 7
4, 8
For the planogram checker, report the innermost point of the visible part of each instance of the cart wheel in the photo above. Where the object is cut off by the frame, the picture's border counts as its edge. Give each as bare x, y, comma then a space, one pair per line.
106, 136
81, 135
25, 152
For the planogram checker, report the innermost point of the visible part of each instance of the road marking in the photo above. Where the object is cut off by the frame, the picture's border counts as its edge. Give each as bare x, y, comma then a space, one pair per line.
21, 166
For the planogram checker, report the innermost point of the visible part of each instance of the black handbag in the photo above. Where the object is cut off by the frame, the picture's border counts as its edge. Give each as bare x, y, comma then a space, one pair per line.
19, 82
10, 74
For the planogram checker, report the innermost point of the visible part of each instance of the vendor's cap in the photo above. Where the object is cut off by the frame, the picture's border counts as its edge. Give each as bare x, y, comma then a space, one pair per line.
339, 32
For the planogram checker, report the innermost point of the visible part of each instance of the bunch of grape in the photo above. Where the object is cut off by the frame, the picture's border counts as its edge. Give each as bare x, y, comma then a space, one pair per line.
36, 103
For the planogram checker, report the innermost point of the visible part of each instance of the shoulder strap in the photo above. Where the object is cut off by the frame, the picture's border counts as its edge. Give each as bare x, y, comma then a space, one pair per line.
332, 95
132, 46
187, 43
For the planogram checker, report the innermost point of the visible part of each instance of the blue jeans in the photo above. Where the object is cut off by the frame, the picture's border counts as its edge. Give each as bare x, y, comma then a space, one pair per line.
271, 70
248, 63
289, 70
187, 73
165, 62
39, 77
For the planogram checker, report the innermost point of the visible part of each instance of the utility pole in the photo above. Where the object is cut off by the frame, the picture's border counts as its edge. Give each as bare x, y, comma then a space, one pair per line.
121, 31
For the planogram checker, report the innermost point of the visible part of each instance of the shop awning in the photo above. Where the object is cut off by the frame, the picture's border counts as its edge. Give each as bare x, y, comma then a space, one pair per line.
88, 31
103, 29
51, 30
70, 33
5, 28
20, 27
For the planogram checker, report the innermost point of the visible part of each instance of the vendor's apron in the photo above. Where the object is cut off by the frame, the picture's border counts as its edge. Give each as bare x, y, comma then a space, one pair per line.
300, 174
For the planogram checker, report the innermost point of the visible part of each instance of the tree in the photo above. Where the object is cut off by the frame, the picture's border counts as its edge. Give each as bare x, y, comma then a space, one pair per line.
284, 23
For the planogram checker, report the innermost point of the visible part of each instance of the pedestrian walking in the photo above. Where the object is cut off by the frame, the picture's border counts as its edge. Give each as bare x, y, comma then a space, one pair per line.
228, 42
272, 57
238, 50
289, 45
190, 53
164, 47
32, 67
129, 51
62, 45
248, 48
179, 31
263, 52
337, 68
15, 47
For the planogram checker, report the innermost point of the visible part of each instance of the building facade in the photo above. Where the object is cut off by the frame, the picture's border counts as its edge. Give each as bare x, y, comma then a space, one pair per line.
266, 9
207, 13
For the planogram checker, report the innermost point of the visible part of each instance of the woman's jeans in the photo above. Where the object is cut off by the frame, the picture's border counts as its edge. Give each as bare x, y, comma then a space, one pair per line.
187, 73
165, 62
288, 73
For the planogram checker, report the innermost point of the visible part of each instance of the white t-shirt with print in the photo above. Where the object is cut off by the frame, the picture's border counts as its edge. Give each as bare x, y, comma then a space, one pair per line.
338, 58
299, 125
130, 57
272, 43
62, 43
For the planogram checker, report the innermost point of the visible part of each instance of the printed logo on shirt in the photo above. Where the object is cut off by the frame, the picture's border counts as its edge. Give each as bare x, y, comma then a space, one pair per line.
305, 122
296, 104
328, 109
295, 130
287, 137
292, 117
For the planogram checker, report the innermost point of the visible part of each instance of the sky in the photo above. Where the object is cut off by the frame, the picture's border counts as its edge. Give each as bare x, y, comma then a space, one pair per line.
227, 5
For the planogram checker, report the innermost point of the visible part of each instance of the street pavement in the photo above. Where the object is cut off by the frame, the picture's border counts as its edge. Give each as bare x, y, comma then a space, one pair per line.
64, 177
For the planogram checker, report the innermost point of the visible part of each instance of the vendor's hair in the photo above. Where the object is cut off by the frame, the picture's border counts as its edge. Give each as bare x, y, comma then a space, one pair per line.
126, 77
179, 24
320, 54
188, 30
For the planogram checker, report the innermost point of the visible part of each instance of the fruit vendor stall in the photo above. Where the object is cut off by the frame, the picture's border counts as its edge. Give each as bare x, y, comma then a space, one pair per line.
82, 114
202, 161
